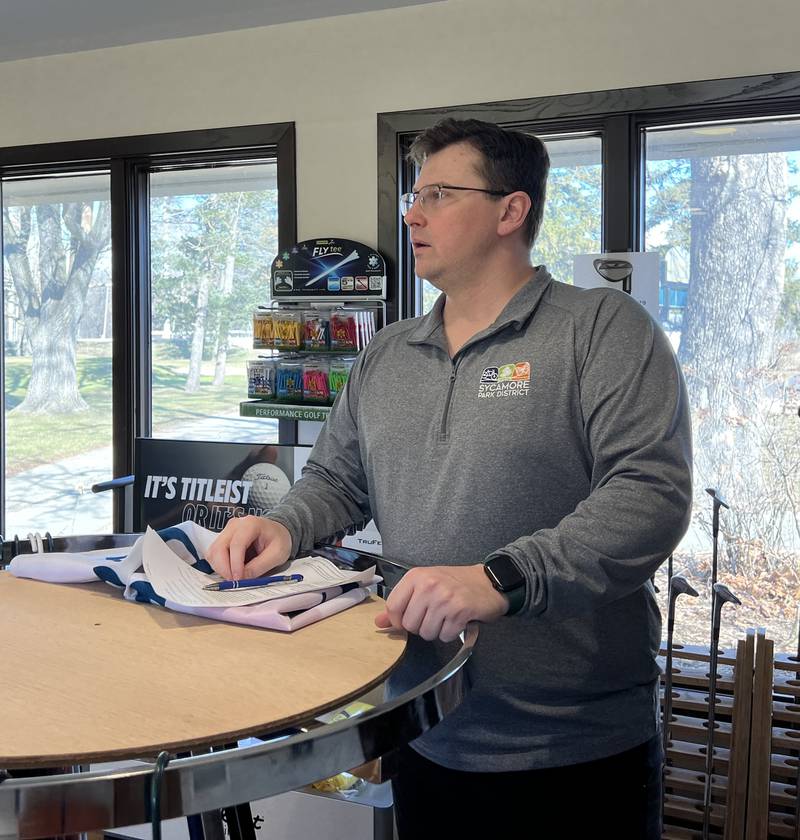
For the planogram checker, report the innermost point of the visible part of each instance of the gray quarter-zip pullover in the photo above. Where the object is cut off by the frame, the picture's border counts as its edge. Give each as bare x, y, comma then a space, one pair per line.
560, 436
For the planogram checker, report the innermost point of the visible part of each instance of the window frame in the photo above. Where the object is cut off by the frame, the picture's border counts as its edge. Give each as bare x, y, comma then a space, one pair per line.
128, 160
619, 116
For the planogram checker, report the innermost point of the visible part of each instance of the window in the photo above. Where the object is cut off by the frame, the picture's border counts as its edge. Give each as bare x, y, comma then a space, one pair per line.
119, 256
573, 211
708, 175
722, 207
213, 236
57, 354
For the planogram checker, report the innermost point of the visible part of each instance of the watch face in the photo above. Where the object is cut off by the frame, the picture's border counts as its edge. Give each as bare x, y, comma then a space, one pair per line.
504, 573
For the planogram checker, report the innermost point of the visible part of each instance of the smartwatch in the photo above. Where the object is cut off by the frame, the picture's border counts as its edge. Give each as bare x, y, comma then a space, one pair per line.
507, 578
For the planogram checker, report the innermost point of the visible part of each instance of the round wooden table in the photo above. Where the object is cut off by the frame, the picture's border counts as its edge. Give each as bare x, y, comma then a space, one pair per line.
86, 676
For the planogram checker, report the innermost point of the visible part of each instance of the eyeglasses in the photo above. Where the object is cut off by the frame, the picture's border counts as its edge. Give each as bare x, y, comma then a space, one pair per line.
430, 197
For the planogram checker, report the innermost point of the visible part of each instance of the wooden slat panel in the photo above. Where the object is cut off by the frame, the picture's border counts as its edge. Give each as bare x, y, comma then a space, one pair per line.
682, 808
760, 741
696, 730
782, 795
701, 653
786, 683
674, 832
788, 713
784, 739
697, 701
690, 783
783, 766
740, 742
682, 678
693, 757
781, 825
786, 662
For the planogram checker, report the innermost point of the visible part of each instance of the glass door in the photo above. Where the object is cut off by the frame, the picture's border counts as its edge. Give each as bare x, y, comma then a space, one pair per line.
722, 208
213, 237
57, 353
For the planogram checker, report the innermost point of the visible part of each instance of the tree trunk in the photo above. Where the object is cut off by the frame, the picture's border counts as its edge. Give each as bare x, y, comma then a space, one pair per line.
738, 246
198, 335
106, 309
53, 387
222, 356
52, 297
223, 323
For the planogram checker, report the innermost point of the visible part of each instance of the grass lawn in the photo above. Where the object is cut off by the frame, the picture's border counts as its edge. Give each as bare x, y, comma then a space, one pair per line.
33, 439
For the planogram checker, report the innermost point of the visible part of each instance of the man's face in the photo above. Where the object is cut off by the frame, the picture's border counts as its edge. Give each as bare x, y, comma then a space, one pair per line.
453, 235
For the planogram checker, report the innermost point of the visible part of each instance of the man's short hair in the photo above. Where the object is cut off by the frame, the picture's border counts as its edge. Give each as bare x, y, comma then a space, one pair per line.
512, 160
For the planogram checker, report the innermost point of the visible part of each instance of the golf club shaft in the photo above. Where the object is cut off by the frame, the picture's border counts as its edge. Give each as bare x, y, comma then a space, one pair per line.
716, 611
721, 596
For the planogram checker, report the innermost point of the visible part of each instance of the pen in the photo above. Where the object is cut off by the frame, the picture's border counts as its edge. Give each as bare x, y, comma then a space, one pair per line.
225, 585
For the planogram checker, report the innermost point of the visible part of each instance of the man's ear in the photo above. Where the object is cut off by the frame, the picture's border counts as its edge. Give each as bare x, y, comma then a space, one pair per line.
515, 211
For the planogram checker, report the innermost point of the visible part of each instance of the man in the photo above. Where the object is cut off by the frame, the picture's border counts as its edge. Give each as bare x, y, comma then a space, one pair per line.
526, 446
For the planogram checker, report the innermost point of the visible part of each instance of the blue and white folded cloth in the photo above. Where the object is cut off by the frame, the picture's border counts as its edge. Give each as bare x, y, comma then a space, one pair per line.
123, 569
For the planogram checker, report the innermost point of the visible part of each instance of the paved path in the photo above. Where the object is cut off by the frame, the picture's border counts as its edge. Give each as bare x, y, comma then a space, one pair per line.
58, 497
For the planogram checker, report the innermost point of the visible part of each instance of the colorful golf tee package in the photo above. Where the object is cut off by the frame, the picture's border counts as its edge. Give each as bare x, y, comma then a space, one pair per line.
337, 375
345, 331
316, 330
315, 381
261, 379
294, 379
294, 375
287, 329
263, 337
289, 380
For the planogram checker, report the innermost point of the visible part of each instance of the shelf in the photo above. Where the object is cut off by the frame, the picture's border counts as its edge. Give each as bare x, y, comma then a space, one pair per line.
302, 351
283, 411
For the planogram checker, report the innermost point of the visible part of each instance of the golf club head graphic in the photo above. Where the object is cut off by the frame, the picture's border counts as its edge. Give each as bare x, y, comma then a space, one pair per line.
615, 271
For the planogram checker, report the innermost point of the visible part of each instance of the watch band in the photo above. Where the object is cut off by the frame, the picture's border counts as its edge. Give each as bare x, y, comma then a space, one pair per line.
516, 599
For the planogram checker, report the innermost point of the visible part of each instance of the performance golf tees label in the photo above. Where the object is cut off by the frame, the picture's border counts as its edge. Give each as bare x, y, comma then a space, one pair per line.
508, 380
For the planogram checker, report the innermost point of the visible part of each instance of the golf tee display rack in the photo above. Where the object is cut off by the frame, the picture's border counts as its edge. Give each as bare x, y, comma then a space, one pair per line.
327, 280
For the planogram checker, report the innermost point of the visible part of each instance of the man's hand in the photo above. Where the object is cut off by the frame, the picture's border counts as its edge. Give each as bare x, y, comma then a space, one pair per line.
249, 547
438, 601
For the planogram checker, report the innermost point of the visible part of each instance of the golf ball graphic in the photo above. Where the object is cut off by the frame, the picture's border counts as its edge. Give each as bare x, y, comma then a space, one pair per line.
270, 485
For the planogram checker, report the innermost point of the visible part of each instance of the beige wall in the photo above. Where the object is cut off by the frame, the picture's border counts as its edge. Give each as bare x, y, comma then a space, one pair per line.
332, 76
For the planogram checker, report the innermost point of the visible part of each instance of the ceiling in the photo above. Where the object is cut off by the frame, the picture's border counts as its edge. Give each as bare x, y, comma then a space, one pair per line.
30, 28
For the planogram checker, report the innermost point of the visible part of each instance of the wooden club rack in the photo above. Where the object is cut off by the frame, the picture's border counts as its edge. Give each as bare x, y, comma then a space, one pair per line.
756, 764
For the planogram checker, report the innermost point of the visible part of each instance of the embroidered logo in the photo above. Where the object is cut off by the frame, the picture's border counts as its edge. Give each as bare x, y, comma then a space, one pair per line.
509, 380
